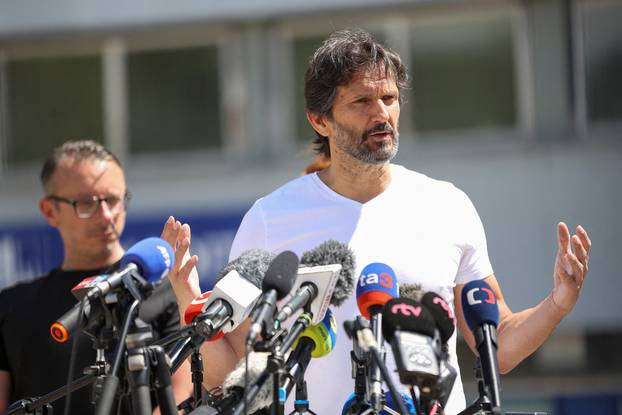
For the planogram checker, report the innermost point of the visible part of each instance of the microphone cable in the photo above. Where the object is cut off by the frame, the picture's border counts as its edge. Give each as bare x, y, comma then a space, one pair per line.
72, 357
248, 350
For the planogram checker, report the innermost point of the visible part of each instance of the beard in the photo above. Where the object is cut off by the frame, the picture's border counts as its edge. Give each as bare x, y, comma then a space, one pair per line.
360, 147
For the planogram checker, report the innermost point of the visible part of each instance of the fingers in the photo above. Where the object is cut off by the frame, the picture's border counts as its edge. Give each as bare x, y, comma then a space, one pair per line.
186, 269
171, 231
585, 239
563, 237
579, 249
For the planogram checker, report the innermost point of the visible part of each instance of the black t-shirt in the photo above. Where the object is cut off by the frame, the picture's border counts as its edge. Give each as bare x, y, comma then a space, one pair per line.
38, 364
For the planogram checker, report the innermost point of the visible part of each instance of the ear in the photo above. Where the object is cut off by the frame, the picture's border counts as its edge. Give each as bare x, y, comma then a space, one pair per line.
320, 123
49, 212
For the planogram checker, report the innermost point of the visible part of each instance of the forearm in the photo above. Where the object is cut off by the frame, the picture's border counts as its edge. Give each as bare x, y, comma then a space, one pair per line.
219, 359
520, 334
5, 390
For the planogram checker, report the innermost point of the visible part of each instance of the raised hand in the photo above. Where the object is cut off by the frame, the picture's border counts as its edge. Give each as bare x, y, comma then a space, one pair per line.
571, 265
183, 276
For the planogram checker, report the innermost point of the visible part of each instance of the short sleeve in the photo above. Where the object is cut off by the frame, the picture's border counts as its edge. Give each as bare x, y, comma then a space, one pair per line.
252, 232
474, 261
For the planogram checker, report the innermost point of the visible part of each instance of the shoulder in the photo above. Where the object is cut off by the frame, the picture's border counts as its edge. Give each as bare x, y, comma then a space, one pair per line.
291, 194
20, 294
419, 183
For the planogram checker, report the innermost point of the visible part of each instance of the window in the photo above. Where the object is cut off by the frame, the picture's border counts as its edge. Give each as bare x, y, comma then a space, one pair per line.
50, 101
462, 73
174, 100
603, 60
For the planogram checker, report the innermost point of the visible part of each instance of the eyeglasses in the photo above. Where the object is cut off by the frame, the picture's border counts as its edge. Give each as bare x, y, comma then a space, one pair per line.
86, 207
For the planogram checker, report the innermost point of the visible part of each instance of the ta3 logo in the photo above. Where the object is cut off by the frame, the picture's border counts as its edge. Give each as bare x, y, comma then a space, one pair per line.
487, 296
384, 279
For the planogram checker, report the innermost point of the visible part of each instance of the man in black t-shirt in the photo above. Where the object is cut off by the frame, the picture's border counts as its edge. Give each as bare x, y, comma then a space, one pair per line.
85, 199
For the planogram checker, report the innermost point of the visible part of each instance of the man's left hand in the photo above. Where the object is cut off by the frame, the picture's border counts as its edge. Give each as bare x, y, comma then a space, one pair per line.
571, 265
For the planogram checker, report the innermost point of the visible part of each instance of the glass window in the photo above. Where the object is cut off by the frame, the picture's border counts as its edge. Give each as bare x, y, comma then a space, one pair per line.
303, 50
174, 100
50, 101
462, 73
603, 60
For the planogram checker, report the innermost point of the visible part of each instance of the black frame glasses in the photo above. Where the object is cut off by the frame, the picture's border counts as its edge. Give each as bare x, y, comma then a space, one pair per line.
86, 207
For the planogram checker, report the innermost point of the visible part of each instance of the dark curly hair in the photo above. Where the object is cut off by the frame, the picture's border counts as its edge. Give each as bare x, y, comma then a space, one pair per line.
341, 56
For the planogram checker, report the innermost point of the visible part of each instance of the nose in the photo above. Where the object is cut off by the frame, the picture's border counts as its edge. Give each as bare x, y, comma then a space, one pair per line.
106, 212
380, 112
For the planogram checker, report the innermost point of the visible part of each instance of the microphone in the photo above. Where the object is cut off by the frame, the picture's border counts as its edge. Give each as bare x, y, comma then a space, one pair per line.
151, 258
442, 313
315, 341
326, 278
412, 291
234, 295
410, 329
333, 252
377, 284
233, 385
348, 406
481, 313
277, 283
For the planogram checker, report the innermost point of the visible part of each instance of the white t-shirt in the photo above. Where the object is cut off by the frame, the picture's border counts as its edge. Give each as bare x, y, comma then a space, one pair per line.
426, 230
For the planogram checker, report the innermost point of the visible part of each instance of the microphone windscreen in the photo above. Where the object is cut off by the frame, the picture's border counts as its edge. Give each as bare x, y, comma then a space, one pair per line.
323, 335
281, 274
377, 284
153, 256
479, 304
442, 313
251, 265
257, 363
412, 291
334, 252
406, 315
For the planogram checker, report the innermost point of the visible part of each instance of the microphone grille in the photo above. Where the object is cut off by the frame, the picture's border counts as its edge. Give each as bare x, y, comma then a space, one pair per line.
479, 304
251, 265
281, 274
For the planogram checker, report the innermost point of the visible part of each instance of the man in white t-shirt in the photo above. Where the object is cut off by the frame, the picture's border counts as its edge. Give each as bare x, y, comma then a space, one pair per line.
426, 230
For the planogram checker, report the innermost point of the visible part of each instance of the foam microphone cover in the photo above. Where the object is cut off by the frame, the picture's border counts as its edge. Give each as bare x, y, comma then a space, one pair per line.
412, 291
257, 363
406, 315
377, 284
323, 335
442, 313
251, 265
153, 256
334, 252
281, 274
479, 304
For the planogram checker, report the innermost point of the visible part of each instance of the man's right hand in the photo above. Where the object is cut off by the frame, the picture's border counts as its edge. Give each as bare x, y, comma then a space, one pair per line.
183, 276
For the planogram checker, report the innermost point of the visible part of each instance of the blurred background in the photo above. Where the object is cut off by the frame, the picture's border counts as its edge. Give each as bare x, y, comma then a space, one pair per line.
519, 103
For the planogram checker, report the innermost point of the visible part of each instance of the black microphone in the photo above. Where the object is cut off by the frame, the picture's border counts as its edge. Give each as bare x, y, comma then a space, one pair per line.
277, 283
411, 330
481, 313
326, 277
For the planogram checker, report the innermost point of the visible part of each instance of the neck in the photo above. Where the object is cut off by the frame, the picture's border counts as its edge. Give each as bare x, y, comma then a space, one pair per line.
357, 180
83, 262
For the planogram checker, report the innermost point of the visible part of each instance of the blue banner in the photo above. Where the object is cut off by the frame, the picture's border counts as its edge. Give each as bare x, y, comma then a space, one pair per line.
31, 250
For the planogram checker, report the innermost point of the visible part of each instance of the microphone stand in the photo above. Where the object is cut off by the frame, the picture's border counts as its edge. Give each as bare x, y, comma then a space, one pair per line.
275, 365
367, 341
